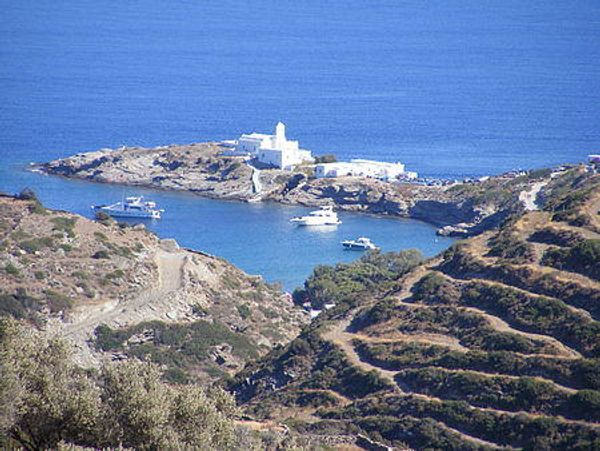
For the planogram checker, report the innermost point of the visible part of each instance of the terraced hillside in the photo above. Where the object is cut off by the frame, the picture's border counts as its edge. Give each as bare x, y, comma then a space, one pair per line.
494, 344
119, 292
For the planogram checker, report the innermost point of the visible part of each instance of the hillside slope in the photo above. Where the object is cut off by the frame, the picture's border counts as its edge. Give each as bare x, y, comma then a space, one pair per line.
494, 344
119, 291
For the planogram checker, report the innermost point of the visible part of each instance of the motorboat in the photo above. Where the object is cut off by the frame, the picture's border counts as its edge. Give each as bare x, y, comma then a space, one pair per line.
130, 207
360, 244
320, 217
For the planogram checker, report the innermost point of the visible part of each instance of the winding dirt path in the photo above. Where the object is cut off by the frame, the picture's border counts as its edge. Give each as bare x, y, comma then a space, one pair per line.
122, 312
340, 337
528, 197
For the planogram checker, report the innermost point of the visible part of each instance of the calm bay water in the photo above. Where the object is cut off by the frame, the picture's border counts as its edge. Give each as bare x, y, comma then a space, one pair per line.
256, 237
450, 89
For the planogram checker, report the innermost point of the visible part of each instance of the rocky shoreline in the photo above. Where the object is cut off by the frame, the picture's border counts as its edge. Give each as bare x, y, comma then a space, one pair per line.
206, 169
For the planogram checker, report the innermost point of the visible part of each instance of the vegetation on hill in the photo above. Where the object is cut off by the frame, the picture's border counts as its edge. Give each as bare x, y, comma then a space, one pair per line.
46, 400
340, 283
493, 344
198, 315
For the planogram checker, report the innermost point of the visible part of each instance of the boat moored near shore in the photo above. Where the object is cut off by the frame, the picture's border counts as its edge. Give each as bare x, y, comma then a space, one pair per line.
130, 207
360, 244
320, 217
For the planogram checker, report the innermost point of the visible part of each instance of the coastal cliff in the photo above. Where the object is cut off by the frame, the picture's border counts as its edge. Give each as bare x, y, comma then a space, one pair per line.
205, 169
120, 292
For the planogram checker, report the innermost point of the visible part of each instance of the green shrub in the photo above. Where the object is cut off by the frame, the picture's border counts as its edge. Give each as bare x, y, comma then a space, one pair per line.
104, 218
537, 314
101, 236
499, 392
584, 404
436, 289
244, 311
64, 224
58, 302
19, 305
40, 275
36, 244
464, 266
12, 269
182, 346
555, 236
81, 275
116, 274
198, 310
583, 257
37, 208
506, 245
27, 194
518, 431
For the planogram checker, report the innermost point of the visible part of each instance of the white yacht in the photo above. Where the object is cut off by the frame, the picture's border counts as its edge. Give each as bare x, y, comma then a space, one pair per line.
130, 207
360, 244
322, 216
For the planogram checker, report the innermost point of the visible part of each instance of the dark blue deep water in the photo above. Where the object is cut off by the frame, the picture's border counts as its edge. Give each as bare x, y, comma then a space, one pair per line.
450, 88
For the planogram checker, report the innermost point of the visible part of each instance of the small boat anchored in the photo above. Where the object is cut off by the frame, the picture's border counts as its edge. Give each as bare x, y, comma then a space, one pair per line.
320, 217
130, 207
360, 244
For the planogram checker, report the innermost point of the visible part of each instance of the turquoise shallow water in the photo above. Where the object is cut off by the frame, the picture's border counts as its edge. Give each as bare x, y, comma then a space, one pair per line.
451, 89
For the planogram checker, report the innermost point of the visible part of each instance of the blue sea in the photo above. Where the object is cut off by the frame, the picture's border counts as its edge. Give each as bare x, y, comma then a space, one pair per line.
452, 89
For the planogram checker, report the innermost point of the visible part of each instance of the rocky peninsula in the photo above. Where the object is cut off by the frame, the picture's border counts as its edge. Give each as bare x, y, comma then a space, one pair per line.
208, 170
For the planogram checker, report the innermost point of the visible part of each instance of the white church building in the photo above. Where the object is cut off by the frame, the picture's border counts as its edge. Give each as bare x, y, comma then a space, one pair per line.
364, 168
275, 150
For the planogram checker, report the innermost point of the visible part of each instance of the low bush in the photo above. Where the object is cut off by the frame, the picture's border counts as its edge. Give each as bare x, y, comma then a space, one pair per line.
11, 269
556, 236
471, 329
498, 392
36, 244
583, 257
244, 311
58, 302
65, 224
464, 266
574, 373
506, 245
27, 194
436, 289
19, 304
178, 346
